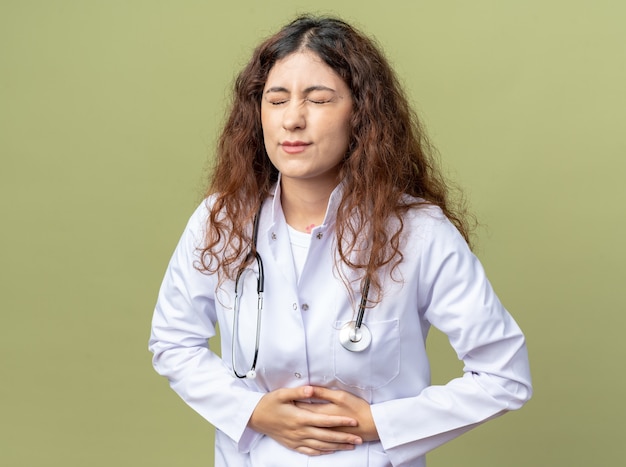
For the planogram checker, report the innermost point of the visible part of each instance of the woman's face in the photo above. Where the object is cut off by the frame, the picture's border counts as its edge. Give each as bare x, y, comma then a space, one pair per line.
305, 114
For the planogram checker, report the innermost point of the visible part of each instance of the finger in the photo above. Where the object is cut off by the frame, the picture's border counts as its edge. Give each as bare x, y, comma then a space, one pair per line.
299, 393
311, 452
324, 439
323, 420
294, 394
317, 444
308, 406
322, 409
329, 449
331, 395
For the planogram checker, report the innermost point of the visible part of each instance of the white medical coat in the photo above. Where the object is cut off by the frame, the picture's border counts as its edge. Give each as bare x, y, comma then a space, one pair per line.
439, 282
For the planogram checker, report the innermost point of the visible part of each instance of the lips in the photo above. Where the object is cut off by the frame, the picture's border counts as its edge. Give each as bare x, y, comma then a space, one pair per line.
294, 147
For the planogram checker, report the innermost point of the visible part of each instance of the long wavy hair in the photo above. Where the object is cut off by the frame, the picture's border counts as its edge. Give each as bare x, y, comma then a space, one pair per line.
388, 156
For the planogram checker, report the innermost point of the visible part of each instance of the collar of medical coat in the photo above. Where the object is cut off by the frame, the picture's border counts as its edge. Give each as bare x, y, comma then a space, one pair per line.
331, 209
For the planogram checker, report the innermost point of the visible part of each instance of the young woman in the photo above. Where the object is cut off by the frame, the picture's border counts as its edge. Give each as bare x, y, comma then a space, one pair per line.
326, 248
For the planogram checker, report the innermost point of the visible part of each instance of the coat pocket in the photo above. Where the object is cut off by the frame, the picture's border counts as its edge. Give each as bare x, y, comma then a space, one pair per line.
375, 366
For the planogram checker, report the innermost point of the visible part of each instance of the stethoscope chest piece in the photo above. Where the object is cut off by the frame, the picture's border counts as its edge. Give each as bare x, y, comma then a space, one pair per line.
355, 339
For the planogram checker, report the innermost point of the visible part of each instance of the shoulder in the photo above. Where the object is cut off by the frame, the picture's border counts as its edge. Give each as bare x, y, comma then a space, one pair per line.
204, 208
422, 214
427, 223
197, 224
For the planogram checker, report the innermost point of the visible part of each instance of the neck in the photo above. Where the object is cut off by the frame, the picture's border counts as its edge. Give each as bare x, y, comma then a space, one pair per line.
304, 204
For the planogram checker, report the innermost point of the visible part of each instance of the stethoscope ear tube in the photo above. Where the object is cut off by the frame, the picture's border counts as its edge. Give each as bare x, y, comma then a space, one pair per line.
364, 294
356, 336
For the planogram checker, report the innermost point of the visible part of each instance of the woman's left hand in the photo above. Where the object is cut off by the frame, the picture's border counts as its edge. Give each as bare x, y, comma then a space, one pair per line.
345, 404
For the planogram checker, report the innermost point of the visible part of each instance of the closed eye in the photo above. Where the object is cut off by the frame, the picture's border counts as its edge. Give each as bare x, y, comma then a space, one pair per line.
319, 101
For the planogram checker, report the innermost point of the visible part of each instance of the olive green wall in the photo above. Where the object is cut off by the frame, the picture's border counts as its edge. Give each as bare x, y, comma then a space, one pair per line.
109, 111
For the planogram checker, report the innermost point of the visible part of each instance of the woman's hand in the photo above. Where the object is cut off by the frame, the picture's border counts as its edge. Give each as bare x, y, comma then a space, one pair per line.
342, 403
292, 424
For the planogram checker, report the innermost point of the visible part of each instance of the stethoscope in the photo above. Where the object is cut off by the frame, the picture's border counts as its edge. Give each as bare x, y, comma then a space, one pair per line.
353, 336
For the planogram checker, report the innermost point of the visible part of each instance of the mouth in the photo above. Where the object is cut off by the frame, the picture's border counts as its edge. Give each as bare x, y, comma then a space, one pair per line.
294, 147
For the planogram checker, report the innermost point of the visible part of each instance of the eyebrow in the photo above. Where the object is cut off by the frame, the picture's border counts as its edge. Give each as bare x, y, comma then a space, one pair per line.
317, 87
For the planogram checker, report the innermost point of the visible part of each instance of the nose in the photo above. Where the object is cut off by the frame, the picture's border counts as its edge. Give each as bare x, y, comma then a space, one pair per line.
294, 117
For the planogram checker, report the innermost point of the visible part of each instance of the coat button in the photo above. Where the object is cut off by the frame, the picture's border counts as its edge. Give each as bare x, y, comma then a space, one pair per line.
304, 307
320, 235
273, 236
297, 375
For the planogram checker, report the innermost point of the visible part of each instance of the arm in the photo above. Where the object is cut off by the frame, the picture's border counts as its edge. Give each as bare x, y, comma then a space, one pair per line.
184, 319
455, 296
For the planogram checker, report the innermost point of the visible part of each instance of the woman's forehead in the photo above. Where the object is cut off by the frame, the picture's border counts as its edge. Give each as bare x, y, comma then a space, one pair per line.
302, 67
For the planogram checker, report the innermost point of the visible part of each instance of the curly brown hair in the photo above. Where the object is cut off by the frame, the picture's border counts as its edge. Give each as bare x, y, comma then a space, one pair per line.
388, 157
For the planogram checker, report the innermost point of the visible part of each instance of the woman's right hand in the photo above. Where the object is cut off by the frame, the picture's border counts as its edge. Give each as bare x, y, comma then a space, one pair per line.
277, 416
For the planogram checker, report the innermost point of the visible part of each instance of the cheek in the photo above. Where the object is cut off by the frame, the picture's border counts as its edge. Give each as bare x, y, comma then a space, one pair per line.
265, 129
344, 130
266, 124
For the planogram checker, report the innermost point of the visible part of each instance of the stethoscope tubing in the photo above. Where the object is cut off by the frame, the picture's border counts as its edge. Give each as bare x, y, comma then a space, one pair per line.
354, 336
260, 287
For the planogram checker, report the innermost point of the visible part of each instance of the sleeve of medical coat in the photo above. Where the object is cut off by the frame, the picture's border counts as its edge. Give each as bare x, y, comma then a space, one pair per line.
456, 297
184, 319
